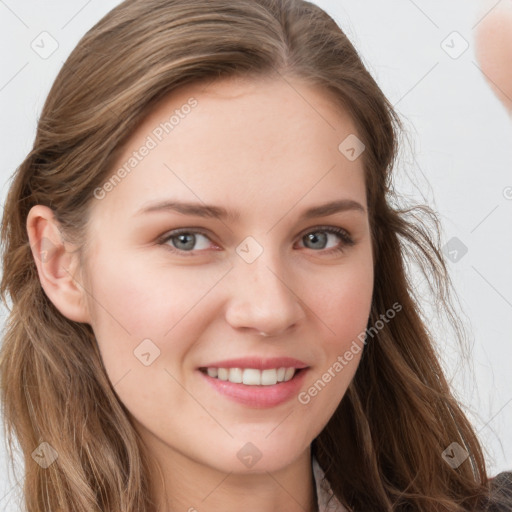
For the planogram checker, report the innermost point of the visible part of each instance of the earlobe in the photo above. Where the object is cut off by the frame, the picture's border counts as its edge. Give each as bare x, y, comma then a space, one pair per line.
57, 264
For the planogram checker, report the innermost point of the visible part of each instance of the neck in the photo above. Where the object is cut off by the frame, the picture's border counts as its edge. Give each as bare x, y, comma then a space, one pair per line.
183, 484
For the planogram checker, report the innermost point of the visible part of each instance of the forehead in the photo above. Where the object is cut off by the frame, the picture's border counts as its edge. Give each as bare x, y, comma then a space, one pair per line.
261, 143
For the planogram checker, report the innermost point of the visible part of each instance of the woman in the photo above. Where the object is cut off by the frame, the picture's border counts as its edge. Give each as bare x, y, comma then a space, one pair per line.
210, 303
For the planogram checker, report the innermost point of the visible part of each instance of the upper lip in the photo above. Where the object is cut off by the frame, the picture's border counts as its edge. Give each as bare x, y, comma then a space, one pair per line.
258, 363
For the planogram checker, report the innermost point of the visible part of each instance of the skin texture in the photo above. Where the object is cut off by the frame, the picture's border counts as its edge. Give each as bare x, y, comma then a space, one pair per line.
493, 40
267, 148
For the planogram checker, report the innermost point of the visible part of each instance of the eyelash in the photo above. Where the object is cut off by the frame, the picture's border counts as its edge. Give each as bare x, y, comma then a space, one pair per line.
347, 240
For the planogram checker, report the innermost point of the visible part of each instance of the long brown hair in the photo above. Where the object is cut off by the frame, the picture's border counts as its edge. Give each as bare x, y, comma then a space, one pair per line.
382, 448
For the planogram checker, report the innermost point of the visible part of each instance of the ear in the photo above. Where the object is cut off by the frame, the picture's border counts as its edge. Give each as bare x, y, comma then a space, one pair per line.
57, 264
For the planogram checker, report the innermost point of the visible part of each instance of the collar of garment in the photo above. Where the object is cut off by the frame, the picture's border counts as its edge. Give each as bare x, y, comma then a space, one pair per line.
326, 500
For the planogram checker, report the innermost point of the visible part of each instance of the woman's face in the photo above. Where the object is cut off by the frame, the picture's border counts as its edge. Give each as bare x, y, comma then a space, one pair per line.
168, 307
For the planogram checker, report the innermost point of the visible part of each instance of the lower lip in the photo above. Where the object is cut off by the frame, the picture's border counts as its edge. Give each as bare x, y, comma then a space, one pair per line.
258, 396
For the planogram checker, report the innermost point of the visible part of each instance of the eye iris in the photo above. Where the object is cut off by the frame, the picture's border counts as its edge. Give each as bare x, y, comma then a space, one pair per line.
314, 237
182, 238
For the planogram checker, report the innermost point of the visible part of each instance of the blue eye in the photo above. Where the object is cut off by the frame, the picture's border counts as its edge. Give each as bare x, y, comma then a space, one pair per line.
320, 237
184, 241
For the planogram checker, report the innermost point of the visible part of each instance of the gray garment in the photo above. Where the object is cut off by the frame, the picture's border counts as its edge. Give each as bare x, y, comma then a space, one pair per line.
500, 492
324, 492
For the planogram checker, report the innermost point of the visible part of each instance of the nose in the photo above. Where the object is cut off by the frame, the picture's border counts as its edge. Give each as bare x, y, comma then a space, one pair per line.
262, 298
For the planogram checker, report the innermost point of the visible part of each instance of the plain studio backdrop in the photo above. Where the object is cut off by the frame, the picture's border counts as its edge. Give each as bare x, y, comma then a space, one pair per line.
422, 55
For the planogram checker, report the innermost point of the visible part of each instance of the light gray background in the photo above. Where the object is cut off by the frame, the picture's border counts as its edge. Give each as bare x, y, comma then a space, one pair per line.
462, 161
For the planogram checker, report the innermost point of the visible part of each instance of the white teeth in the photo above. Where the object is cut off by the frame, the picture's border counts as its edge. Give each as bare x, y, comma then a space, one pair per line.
269, 377
235, 375
289, 373
252, 376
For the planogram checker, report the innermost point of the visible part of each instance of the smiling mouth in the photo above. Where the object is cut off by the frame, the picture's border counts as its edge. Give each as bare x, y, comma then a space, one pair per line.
252, 376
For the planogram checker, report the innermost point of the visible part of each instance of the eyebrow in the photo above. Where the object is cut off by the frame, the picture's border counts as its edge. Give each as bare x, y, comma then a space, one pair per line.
219, 212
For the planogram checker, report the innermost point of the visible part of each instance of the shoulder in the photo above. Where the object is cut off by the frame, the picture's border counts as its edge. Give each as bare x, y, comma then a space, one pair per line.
500, 493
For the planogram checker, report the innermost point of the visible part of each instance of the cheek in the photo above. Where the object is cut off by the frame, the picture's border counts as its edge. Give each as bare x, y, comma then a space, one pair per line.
141, 300
146, 320
344, 307
134, 303
354, 305
343, 301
